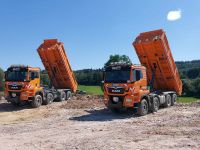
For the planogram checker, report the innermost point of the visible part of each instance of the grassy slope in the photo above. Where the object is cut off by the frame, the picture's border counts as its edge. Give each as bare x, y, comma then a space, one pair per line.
187, 99
94, 90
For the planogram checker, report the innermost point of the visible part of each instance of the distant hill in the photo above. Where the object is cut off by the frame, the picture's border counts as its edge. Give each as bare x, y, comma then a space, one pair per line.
188, 64
189, 69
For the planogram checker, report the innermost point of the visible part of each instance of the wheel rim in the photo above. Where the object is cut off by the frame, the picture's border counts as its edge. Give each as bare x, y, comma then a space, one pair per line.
39, 100
168, 100
144, 107
156, 104
50, 97
175, 98
63, 96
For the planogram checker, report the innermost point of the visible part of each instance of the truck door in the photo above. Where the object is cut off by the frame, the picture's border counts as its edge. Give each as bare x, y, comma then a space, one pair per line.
34, 79
138, 83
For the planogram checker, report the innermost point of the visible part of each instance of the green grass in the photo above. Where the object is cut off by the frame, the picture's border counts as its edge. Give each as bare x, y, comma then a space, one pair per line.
94, 90
187, 99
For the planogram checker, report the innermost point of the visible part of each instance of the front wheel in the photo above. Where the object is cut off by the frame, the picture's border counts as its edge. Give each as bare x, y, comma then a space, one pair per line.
37, 101
143, 108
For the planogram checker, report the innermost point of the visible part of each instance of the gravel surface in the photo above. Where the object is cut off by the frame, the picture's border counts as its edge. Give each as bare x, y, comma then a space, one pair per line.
84, 123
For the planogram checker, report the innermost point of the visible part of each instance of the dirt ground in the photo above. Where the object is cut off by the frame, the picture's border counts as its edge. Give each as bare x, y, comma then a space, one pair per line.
84, 123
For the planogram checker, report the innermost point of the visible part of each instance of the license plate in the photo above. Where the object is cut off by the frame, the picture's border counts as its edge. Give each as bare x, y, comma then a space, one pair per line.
115, 99
14, 94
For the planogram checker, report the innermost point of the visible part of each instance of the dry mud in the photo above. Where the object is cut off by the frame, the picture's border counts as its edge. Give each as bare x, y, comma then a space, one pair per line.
84, 123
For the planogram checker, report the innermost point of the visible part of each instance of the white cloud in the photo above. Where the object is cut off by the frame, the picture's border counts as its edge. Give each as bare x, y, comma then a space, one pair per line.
174, 15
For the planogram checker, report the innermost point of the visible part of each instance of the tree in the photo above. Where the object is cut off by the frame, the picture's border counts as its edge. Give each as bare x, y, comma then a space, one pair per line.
117, 58
1, 80
193, 73
196, 87
188, 89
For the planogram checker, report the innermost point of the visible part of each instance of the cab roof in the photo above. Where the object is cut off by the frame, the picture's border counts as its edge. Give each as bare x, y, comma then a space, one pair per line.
24, 67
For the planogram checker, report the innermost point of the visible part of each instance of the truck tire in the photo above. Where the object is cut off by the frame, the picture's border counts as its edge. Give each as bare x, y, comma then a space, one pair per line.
49, 99
37, 101
62, 96
143, 108
168, 101
68, 95
174, 98
155, 104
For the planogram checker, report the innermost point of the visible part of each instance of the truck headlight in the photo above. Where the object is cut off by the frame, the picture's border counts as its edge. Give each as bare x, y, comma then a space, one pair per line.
115, 99
128, 100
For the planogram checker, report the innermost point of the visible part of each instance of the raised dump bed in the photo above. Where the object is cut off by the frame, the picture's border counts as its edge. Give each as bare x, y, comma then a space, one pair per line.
154, 53
55, 61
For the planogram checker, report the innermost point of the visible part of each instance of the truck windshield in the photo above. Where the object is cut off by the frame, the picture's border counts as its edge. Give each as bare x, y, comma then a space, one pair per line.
117, 76
16, 75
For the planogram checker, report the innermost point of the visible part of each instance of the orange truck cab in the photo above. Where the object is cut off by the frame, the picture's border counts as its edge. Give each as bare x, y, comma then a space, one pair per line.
23, 82
144, 88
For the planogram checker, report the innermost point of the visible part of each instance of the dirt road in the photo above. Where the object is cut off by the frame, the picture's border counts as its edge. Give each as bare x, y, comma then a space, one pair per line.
84, 123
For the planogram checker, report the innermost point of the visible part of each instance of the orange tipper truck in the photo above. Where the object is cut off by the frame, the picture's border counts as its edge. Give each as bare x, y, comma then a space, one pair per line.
148, 86
23, 82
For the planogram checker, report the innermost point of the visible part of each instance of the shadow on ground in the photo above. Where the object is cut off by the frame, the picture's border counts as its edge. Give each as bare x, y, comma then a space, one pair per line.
103, 115
8, 107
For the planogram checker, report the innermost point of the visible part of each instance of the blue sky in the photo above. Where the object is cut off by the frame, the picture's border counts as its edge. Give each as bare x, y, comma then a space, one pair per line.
91, 30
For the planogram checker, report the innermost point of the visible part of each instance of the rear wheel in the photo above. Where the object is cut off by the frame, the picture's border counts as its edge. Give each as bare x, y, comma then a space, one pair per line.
155, 105
168, 101
174, 98
37, 101
143, 108
49, 99
62, 96
69, 95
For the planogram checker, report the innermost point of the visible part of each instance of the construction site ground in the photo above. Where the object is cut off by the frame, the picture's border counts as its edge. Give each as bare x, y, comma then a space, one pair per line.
85, 123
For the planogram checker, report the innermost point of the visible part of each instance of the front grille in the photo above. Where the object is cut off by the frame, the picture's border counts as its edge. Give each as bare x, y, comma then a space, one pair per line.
116, 90
14, 87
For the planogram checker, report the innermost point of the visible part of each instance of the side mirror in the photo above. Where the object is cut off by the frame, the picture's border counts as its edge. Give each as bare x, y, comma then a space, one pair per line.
5, 76
128, 81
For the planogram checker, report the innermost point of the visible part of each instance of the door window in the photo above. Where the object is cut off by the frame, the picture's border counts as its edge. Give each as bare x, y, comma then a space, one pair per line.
137, 75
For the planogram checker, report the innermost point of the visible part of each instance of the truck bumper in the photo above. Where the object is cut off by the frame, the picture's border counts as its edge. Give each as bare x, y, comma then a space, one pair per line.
119, 101
13, 99
16, 97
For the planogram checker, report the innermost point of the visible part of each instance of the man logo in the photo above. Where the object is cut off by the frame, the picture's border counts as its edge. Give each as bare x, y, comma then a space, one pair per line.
116, 91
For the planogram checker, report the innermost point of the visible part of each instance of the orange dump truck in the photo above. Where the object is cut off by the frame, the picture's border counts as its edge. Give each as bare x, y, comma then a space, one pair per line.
148, 86
23, 82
